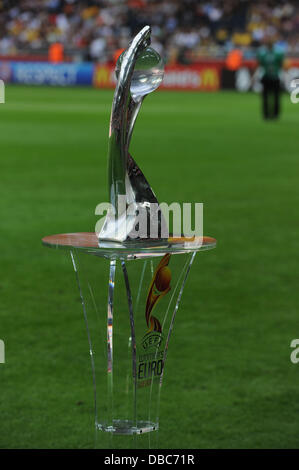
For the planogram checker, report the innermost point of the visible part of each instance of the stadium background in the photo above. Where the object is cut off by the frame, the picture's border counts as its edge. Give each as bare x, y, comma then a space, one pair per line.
232, 383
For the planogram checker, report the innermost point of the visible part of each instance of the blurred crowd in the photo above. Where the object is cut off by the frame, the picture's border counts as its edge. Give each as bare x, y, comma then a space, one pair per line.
182, 30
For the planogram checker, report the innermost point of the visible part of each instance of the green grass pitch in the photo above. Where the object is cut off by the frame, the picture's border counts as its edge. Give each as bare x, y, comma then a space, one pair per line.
229, 382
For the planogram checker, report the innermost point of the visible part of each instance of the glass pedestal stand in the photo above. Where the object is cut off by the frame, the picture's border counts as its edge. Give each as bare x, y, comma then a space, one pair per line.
129, 338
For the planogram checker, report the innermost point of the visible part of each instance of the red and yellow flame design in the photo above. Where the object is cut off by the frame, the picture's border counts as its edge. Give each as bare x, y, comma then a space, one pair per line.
159, 287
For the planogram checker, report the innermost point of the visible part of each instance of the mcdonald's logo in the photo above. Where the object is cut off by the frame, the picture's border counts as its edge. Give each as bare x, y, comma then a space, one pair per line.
209, 79
102, 77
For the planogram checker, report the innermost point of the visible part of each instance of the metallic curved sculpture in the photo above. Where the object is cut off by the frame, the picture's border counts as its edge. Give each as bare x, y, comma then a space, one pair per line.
128, 187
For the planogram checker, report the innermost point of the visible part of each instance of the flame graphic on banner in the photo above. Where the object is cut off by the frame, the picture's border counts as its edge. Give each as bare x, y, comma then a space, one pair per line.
159, 287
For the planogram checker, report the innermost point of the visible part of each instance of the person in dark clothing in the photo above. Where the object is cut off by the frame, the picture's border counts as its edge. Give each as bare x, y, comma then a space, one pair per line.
271, 61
